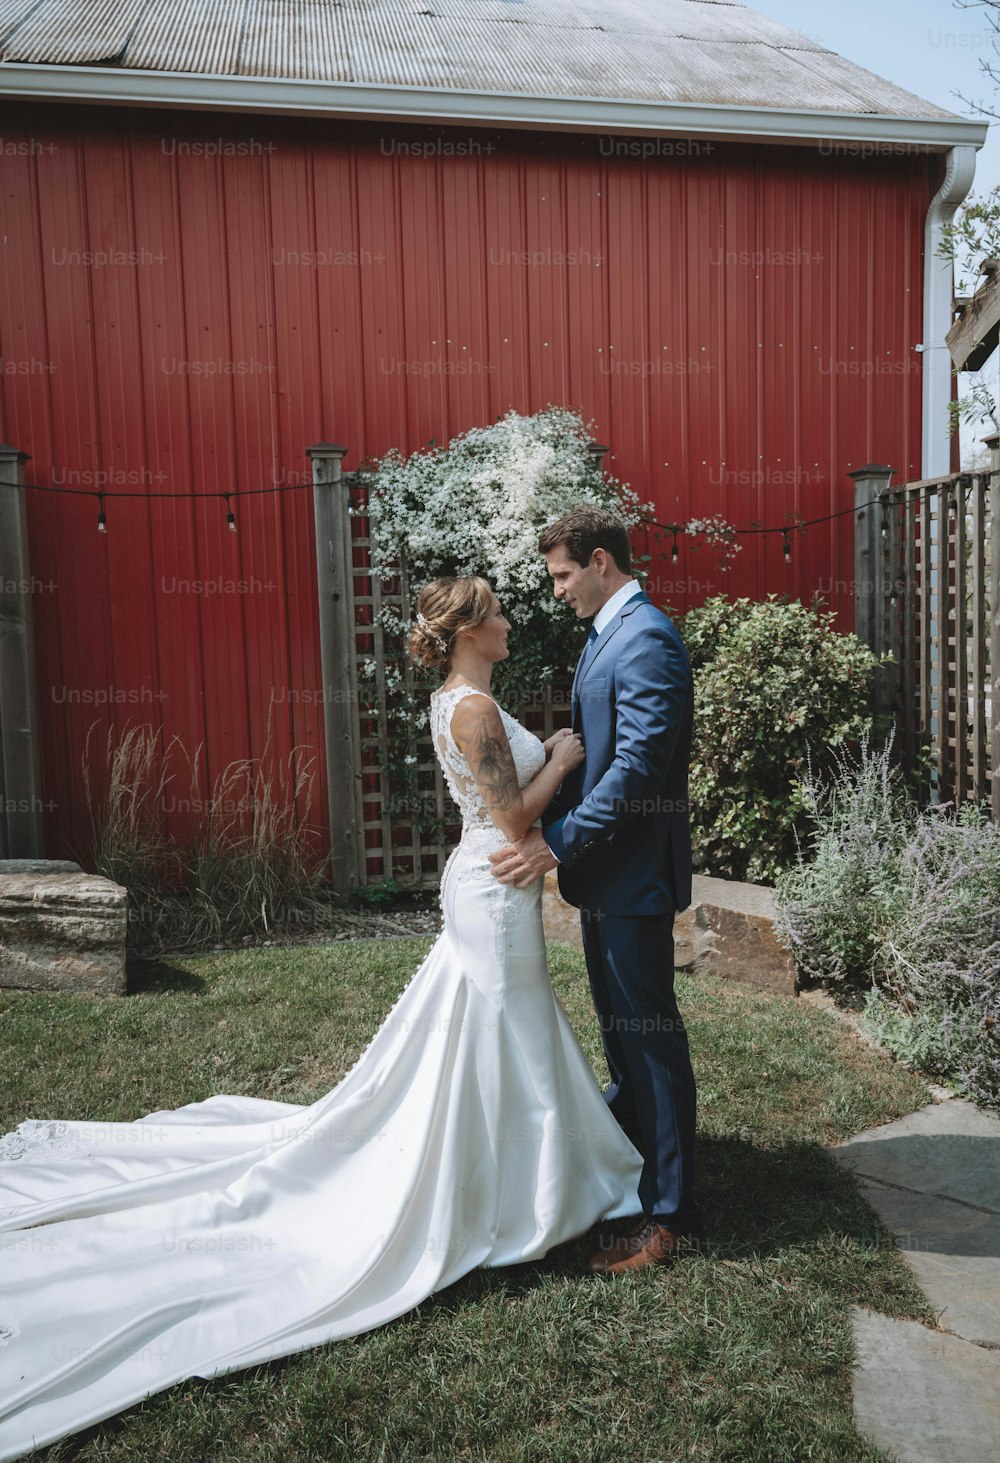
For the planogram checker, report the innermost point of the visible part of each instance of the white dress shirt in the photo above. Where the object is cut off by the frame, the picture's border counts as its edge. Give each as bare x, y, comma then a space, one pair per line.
620, 598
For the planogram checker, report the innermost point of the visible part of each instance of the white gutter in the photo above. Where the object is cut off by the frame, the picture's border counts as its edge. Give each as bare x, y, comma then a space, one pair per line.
938, 312
124, 86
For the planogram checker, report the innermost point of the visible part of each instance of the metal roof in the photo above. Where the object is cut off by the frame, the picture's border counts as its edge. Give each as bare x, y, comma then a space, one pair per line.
668, 51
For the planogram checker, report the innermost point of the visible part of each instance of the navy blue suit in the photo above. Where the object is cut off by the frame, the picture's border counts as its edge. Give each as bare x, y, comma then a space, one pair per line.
619, 827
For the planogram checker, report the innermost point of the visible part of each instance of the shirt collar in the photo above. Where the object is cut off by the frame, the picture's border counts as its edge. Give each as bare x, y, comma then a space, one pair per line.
616, 603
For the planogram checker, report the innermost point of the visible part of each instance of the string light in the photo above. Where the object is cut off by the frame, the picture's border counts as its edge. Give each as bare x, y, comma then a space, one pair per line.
672, 528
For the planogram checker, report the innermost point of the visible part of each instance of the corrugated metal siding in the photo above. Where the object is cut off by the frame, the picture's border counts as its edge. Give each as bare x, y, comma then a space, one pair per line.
671, 51
717, 316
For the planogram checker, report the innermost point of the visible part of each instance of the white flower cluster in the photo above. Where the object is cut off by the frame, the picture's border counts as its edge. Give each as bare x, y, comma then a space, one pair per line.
479, 505
720, 534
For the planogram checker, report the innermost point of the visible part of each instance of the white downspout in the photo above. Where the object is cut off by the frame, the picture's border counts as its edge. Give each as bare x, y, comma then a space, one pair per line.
937, 386
938, 291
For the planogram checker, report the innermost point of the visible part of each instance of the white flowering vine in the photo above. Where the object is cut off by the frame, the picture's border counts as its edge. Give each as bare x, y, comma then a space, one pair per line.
719, 534
478, 506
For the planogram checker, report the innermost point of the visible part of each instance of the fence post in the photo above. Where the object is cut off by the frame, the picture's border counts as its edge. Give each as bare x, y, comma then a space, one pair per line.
993, 444
335, 585
21, 831
871, 606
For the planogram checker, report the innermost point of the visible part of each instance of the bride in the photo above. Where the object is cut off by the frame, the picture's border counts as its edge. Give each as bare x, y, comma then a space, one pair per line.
471, 1132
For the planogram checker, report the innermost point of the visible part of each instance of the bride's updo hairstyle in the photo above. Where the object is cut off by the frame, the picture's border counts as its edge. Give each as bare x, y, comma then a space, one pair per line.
444, 607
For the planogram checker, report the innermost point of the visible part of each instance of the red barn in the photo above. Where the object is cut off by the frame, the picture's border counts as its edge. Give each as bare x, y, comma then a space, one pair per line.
235, 230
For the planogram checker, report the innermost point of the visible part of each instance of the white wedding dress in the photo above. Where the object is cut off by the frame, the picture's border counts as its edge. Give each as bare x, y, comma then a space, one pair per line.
218, 1235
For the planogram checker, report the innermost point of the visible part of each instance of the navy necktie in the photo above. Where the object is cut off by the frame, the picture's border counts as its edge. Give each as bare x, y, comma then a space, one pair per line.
588, 650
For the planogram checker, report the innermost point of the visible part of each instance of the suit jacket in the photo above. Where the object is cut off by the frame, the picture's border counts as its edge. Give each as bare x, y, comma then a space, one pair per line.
619, 824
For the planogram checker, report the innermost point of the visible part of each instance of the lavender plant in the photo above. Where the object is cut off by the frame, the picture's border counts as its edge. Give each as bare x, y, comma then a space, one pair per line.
940, 950
835, 898
906, 901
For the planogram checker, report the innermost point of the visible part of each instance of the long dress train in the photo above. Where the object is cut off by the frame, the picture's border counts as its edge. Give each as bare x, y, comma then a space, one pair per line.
201, 1240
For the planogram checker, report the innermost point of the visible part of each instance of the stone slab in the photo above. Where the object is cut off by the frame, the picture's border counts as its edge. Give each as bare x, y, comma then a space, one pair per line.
954, 1252
561, 922
933, 1178
38, 866
923, 1396
727, 930
947, 1148
63, 932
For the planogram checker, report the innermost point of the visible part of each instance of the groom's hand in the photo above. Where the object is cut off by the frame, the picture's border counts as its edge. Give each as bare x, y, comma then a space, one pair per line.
523, 862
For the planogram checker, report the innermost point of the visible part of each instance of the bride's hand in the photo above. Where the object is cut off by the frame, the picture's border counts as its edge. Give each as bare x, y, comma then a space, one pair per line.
568, 752
553, 741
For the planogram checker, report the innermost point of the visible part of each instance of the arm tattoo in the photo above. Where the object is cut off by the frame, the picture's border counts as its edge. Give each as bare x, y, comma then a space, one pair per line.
493, 766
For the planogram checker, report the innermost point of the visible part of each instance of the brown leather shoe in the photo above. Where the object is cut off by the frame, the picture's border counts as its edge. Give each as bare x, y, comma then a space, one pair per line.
608, 1238
648, 1244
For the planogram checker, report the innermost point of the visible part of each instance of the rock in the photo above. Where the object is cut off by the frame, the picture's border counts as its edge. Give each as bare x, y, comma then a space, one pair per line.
62, 931
37, 866
731, 927
728, 930
560, 920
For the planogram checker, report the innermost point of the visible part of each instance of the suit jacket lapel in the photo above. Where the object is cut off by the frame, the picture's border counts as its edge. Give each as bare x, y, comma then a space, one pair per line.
586, 661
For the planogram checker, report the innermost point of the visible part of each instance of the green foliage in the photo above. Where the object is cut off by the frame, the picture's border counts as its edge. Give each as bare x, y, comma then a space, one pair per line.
378, 895
906, 900
915, 1037
478, 506
832, 907
972, 237
774, 685
970, 241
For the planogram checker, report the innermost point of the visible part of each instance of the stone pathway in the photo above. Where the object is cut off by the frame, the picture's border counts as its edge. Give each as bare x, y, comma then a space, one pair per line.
925, 1395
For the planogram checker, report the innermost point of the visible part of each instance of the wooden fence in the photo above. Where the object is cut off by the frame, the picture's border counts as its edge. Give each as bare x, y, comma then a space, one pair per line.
927, 587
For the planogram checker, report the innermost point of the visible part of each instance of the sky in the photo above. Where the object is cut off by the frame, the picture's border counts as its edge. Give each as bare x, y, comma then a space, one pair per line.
931, 47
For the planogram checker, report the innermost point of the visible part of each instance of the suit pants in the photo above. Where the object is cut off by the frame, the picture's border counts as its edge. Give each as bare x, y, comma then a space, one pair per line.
630, 961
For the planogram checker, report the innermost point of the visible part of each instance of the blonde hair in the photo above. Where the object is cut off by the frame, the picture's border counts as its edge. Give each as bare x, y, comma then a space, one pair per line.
444, 607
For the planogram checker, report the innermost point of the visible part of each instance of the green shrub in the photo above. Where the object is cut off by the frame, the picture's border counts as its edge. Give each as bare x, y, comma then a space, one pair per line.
832, 906
477, 506
906, 901
941, 948
774, 685
916, 1038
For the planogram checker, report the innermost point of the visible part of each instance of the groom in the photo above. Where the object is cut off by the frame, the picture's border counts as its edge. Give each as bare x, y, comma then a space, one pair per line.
618, 831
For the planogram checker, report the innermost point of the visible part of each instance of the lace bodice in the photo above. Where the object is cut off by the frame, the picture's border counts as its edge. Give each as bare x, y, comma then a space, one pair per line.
526, 749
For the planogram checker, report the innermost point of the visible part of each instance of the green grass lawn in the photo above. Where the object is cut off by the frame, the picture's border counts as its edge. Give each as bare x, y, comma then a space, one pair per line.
742, 1355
